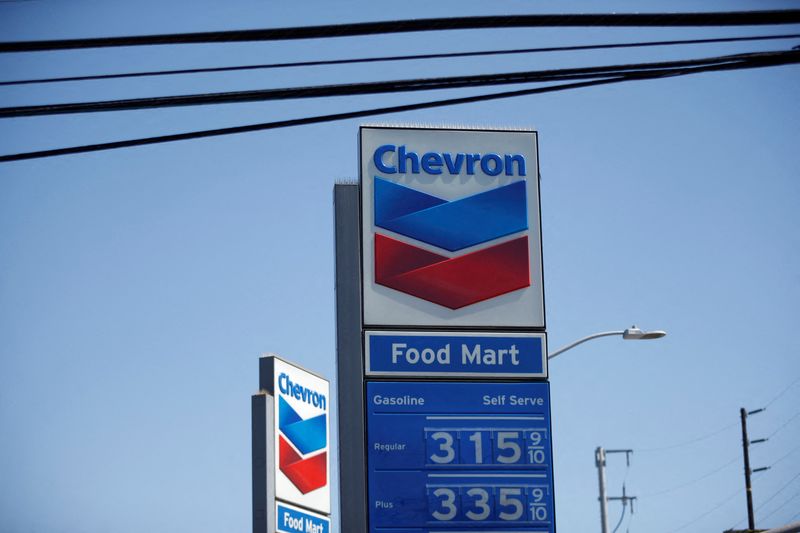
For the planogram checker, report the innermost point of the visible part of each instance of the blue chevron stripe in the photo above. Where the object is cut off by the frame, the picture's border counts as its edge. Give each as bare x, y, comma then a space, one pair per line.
451, 225
306, 435
394, 201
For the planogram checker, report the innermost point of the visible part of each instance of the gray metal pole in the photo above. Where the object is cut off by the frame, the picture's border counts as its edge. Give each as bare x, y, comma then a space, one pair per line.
263, 455
751, 520
258, 432
600, 462
350, 363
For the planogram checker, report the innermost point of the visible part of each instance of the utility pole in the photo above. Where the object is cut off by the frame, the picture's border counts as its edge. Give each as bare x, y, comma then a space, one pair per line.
751, 523
751, 519
600, 462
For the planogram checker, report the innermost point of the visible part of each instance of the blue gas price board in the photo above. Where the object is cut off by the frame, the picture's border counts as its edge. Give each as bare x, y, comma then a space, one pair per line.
459, 457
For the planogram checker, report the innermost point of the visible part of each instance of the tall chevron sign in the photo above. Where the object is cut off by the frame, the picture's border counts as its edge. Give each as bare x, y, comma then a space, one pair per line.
451, 230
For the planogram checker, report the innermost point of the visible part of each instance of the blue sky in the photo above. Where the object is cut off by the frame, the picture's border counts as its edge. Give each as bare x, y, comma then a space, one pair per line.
138, 287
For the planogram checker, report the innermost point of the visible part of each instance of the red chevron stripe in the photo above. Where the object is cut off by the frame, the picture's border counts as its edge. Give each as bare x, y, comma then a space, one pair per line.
306, 474
452, 282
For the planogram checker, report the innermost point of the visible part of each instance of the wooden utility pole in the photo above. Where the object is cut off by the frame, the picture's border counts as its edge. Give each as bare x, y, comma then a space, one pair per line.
751, 523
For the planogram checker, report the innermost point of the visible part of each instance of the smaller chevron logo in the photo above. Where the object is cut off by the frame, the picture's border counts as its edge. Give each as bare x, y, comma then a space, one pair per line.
299, 439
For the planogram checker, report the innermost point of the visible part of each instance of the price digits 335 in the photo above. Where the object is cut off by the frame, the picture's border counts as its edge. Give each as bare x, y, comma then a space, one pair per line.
475, 504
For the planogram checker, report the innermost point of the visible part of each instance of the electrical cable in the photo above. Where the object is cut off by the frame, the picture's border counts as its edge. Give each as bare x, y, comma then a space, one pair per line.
773, 465
765, 502
382, 87
621, 518
396, 58
297, 122
784, 391
720, 504
783, 425
692, 482
730, 18
688, 442
630, 519
737, 524
784, 504
627, 471
785, 456
348, 115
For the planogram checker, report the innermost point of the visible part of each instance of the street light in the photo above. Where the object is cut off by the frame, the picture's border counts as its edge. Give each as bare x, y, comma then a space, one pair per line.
632, 333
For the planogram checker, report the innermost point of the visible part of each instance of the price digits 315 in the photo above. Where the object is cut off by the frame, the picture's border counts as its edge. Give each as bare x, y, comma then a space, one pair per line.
498, 447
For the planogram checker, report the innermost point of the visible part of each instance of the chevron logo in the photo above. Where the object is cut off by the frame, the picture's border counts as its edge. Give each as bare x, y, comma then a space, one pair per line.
298, 441
459, 281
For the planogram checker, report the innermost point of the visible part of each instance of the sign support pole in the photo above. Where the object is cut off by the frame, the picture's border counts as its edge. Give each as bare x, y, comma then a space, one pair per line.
263, 463
350, 364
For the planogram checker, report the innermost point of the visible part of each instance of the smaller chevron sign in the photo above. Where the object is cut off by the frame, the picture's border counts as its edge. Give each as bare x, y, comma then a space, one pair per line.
300, 436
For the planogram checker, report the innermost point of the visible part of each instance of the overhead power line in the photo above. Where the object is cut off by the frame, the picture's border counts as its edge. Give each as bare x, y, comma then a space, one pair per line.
783, 425
785, 456
392, 86
691, 441
413, 57
782, 392
784, 504
692, 482
774, 494
648, 75
708, 512
765, 502
298, 122
730, 18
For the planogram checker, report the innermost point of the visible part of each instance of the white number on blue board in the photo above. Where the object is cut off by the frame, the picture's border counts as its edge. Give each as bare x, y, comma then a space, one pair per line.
445, 446
510, 497
482, 503
478, 440
508, 451
447, 508
536, 456
538, 513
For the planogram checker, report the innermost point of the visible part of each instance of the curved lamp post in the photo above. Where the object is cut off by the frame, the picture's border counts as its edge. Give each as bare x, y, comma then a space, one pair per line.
632, 333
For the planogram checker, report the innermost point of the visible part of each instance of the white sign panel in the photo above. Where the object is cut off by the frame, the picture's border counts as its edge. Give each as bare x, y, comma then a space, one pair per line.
451, 228
302, 447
